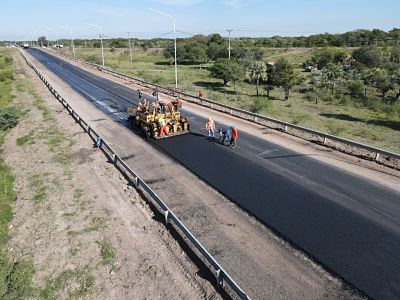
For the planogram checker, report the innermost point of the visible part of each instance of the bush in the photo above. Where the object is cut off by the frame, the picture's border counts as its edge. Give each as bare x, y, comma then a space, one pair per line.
6, 74
257, 105
8, 118
356, 89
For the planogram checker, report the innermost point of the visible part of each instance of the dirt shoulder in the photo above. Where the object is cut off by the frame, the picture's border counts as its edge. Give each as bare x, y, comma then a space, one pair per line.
88, 233
263, 264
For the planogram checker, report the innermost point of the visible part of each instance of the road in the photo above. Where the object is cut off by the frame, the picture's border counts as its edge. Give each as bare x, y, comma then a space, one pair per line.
348, 224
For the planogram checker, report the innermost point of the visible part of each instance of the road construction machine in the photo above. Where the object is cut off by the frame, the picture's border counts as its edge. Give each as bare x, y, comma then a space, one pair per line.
159, 120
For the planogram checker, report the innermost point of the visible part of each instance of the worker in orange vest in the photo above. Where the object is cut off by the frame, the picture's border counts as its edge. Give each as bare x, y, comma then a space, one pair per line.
234, 135
163, 127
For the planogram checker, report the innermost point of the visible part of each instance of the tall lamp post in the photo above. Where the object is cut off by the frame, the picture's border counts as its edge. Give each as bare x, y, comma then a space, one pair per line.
101, 39
72, 39
176, 65
130, 47
58, 46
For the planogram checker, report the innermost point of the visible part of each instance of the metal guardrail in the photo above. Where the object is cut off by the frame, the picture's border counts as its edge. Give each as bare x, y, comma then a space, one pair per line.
221, 276
244, 114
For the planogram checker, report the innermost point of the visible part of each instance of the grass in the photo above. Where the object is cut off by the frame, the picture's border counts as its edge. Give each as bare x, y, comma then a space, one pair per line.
107, 253
38, 187
81, 280
27, 139
95, 224
15, 276
374, 120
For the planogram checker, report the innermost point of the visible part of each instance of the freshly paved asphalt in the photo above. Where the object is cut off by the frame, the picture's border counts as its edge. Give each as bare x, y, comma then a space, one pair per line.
348, 224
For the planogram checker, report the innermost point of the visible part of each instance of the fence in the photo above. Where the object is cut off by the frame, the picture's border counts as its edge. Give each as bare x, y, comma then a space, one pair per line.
221, 276
253, 117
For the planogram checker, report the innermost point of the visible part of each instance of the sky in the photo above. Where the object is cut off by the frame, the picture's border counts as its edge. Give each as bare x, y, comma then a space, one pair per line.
28, 19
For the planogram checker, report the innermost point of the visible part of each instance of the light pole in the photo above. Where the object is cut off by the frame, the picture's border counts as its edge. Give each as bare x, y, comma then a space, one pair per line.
176, 65
130, 48
101, 39
229, 43
72, 39
58, 46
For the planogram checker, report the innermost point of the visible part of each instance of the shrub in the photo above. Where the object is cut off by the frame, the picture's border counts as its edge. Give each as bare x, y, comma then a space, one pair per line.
8, 118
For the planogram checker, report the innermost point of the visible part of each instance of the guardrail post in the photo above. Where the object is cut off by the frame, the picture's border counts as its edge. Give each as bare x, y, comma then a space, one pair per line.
218, 277
114, 158
166, 215
255, 119
376, 156
136, 182
99, 142
324, 140
285, 128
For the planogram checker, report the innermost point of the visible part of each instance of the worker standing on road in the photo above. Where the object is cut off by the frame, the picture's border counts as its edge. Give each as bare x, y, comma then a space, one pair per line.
234, 135
210, 127
163, 127
140, 94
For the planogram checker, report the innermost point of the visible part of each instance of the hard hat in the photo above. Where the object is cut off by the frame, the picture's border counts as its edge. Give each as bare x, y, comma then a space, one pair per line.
232, 126
209, 119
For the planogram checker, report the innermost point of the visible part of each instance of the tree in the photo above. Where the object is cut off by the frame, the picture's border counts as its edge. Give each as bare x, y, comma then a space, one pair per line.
331, 76
195, 53
369, 56
283, 76
226, 70
258, 71
42, 41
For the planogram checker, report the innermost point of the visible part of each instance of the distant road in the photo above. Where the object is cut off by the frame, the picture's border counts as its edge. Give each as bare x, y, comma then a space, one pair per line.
348, 224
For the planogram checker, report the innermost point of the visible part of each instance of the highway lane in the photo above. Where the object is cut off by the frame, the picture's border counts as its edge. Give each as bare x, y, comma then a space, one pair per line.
350, 225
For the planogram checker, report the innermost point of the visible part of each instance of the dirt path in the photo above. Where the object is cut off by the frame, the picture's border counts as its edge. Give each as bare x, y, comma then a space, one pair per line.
87, 231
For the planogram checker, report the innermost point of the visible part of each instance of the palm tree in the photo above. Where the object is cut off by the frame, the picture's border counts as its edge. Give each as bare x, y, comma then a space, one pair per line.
258, 71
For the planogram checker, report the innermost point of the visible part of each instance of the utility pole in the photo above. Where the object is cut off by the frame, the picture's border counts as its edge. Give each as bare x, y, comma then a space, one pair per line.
176, 64
130, 48
229, 43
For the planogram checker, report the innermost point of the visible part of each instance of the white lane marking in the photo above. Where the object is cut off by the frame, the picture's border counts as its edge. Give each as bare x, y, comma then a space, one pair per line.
114, 111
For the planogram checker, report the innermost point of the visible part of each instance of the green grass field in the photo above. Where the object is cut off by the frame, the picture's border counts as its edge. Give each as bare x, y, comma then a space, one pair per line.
378, 126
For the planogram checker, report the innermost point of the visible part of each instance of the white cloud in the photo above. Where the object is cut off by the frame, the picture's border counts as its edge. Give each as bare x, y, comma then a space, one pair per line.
179, 2
235, 3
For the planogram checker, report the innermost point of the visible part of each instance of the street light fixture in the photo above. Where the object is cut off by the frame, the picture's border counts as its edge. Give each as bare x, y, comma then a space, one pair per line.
176, 65
72, 39
101, 39
58, 46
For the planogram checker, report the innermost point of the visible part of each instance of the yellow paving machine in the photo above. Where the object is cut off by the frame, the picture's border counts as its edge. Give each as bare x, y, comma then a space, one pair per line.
159, 120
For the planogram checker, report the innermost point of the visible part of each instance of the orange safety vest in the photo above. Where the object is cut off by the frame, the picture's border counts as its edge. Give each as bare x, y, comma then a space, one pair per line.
234, 133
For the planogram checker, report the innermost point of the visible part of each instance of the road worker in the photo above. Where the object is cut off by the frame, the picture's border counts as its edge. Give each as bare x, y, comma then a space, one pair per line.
233, 135
155, 94
140, 94
163, 127
177, 104
162, 104
210, 127
223, 135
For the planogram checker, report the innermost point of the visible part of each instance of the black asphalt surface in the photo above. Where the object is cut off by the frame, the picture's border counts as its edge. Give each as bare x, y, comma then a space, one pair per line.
348, 224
